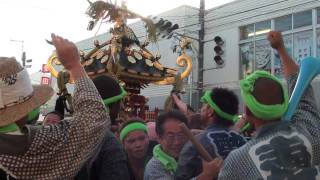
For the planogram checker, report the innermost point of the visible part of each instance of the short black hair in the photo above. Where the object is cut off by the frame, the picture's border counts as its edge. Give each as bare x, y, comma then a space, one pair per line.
227, 101
173, 114
107, 86
195, 121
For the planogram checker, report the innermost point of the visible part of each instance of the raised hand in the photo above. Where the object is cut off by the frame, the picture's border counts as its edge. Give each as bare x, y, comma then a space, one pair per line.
68, 55
276, 42
275, 39
67, 52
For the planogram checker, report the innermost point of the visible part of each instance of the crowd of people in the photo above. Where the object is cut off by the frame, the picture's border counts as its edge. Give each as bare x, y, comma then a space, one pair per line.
255, 145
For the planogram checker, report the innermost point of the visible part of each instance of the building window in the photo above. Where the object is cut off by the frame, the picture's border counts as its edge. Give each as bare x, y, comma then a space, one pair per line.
261, 28
302, 42
263, 55
246, 32
256, 53
247, 55
318, 42
302, 19
277, 63
283, 23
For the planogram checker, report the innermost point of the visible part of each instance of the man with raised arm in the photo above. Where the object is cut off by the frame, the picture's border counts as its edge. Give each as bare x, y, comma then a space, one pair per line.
54, 151
280, 150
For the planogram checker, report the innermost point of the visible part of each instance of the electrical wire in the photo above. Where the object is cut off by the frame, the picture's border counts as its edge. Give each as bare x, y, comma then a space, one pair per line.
241, 12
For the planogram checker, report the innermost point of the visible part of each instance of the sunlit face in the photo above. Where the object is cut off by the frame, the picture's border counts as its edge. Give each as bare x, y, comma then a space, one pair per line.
173, 139
51, 119
136, 144
206, 112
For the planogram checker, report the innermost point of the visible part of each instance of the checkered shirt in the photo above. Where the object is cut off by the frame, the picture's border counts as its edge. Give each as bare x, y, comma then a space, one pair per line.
156, 171
282, 150
59, 151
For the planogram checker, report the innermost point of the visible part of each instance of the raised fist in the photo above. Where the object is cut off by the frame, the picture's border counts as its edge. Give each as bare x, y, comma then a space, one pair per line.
275, 39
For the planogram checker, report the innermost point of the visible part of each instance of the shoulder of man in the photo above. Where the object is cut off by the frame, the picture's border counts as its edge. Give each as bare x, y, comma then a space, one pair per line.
8, 142
154, 168
234, 166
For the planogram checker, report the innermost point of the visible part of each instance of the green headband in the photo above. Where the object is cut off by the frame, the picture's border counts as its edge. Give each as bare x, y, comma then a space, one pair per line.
33, 114
132, 127
13, 126
206, 98
262, 111
114, 99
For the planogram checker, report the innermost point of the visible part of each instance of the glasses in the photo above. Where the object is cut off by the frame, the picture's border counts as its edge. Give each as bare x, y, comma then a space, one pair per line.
172, 137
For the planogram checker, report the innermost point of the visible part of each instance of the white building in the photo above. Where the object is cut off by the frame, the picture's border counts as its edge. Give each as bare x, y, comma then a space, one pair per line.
242, 25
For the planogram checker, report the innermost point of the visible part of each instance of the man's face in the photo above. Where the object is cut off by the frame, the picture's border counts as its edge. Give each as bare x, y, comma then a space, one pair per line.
136, 144
51, 119
173, 138
205, 112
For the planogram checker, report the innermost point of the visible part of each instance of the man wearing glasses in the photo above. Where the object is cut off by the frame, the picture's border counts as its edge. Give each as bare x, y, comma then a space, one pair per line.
171, 138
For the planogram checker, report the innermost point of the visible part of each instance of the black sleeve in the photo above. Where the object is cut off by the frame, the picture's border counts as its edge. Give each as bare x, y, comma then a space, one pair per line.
113, 161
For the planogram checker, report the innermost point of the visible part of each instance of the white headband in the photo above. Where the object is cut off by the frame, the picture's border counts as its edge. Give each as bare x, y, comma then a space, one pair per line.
15, 89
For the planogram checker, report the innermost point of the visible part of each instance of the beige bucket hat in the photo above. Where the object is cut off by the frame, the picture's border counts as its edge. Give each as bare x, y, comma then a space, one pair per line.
17, 96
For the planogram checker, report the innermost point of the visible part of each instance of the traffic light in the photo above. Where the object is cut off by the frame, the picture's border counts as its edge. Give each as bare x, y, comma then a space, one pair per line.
164, 27
219, 51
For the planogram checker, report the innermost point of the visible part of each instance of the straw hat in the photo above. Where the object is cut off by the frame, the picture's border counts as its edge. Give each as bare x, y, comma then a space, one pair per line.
17, 96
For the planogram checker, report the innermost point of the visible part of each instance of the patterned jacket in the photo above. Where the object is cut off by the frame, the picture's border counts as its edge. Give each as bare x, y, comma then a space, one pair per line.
57, 151
281, 150
156, 171
217, 140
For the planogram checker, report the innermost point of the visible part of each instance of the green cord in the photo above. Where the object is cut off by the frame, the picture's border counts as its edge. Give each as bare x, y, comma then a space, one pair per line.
114, 99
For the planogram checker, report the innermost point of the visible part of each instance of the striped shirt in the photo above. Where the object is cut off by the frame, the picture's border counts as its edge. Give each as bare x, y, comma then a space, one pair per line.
156, 171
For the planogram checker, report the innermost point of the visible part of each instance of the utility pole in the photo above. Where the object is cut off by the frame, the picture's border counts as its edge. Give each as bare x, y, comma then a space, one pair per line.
201, 48
23, 54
